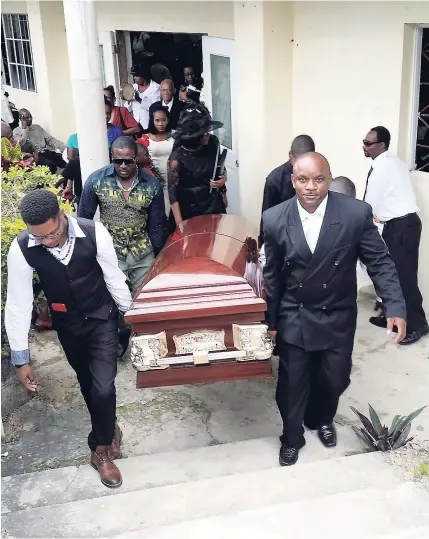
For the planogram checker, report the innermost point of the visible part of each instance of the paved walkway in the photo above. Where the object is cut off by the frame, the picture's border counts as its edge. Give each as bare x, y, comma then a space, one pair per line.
50, 430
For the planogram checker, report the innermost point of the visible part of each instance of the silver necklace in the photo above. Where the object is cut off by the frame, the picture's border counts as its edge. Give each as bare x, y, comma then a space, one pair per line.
61, 258
132, 185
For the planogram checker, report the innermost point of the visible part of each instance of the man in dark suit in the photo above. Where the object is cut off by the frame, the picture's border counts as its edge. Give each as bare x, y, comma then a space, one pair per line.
169, 101
312, 243
278, 185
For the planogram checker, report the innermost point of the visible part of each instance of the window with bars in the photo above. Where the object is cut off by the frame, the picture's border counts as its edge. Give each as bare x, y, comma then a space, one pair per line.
17, 57
422, 142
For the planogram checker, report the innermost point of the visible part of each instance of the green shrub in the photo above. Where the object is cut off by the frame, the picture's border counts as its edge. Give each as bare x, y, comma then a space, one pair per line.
14, 185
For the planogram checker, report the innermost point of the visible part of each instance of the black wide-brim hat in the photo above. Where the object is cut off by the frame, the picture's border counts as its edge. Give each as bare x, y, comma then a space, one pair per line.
193, 123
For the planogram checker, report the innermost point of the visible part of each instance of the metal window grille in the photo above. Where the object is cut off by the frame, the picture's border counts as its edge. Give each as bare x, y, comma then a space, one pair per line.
17, 55
422, 145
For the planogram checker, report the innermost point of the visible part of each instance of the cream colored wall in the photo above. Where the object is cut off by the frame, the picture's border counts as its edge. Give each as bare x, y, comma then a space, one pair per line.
212, 18
21, 98
349, 75
51, 104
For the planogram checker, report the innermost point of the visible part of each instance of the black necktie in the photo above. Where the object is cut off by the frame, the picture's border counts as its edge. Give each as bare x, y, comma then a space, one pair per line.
366, 186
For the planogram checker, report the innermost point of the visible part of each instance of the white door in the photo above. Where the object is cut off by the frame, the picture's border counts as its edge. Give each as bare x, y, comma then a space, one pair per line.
109, 61
219, 94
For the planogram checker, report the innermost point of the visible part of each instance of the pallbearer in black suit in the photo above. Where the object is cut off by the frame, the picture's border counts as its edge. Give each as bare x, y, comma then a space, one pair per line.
312, 243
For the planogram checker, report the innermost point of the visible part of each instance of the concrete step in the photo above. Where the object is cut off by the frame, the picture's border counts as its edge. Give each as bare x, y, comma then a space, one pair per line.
150, 471
202, 499
368, 513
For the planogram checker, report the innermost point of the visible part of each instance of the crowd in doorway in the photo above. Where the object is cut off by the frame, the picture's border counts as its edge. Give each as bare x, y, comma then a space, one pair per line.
164, 169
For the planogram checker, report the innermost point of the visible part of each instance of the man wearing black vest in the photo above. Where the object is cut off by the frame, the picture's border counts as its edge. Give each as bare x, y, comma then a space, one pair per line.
312, 243
85, 289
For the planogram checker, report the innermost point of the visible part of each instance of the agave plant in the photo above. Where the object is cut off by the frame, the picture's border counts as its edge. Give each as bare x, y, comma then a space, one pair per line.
378, 437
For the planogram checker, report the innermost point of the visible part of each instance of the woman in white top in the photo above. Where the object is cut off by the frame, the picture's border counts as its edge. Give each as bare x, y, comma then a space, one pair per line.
159, 143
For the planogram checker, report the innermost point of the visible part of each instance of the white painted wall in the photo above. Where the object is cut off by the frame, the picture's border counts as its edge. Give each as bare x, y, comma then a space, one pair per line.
200, 17
348, 75
51, 105
21, 98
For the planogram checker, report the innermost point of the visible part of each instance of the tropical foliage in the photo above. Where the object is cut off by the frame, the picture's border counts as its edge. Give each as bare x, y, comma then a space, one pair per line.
378, 437
14, 185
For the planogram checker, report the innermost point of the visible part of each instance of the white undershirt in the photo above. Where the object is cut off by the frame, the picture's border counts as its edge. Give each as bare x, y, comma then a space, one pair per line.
168, 105
312, 223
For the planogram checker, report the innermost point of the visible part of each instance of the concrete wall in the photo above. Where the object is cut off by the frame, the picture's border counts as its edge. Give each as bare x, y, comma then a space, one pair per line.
51, 104
351, 68
199, 17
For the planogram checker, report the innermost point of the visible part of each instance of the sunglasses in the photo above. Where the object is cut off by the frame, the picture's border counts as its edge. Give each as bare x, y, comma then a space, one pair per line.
121, 160
50, 236
369, 143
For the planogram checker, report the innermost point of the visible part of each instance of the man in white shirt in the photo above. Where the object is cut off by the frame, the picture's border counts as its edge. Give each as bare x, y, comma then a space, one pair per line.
146, 93
85, 290
390, 192
312, 243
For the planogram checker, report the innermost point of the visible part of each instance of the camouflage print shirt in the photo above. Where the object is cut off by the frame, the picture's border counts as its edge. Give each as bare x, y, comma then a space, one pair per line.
137, 225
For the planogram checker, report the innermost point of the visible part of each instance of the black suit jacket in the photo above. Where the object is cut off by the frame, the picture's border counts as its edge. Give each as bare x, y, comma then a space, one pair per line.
278, 188
312, 297
176, 109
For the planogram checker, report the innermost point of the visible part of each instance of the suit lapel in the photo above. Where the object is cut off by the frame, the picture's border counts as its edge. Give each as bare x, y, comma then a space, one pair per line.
296, 233
328, 234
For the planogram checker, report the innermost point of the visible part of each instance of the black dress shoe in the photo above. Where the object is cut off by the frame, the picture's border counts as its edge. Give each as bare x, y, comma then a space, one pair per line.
381, 322
415, 336
289, 455
327, 435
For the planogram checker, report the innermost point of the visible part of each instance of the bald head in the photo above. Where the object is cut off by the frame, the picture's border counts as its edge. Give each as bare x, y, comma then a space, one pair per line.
166, 90
343, 185
6, 131
313, 160
311, 178
25, 117
300, 145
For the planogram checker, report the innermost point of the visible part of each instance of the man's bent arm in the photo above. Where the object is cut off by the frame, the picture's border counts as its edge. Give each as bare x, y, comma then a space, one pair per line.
381, 269
272, 277
157, 222
19, 304
88, 201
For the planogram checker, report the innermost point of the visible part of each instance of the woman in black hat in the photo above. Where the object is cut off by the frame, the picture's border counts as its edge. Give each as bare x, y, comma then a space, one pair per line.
192, 186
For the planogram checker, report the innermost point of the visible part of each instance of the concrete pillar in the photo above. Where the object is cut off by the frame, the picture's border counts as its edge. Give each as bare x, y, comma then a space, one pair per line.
249, 46
87, 87
264, 45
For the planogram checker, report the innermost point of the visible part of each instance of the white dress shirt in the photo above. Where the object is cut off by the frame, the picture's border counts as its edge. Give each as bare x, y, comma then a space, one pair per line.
390, 191
312, 223
19, 302
168, 105
140, 111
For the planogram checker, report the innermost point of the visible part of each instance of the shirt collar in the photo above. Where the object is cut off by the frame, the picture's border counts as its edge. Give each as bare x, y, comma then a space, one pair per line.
321, 209
75, 231
380, 158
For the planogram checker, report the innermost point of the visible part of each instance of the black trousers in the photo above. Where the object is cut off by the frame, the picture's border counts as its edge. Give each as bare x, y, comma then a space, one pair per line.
402, 237
92, 353
51, 159
309, 387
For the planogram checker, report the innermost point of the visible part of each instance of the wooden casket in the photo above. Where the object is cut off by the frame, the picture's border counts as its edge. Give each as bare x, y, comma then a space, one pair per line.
199, 315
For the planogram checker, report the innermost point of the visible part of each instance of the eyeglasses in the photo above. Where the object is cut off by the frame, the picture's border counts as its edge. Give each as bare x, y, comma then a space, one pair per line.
121, 160
50, 236
369, 143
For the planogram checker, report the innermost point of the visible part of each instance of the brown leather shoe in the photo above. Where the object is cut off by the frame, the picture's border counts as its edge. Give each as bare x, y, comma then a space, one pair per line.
109, 472
115, 446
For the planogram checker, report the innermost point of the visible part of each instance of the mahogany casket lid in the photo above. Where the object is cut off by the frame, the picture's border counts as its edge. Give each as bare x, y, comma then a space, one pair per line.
211, 268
